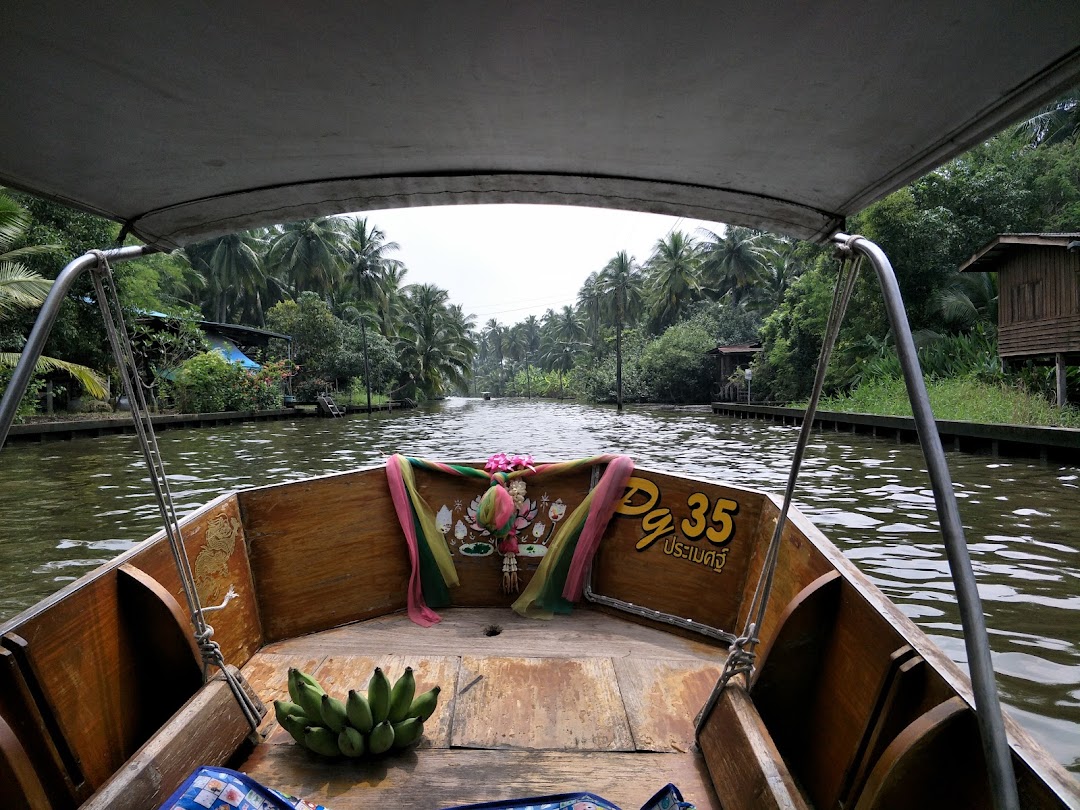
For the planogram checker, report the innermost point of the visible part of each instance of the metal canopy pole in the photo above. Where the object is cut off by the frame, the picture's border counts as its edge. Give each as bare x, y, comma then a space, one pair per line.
35, 344
988, 709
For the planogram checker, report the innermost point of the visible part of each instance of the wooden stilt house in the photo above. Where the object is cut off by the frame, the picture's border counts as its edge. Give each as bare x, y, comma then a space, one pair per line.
730, 359
1038, 297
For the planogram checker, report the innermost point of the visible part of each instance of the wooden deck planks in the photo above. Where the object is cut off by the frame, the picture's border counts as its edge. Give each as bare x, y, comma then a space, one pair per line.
267, 675
597, 703
662, 698
442, 778
540, 704
582, 633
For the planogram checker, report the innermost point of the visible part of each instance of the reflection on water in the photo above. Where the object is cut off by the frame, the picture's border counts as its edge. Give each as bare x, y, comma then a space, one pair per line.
69, 506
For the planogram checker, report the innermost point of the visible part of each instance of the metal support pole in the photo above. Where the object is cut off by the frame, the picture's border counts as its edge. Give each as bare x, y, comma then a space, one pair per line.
35, 344
988, 708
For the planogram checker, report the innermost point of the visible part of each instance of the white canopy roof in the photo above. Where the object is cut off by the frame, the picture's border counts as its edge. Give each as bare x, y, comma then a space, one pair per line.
186, 120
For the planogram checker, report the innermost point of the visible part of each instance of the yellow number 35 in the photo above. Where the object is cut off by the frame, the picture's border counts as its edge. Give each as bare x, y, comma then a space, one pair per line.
723, 527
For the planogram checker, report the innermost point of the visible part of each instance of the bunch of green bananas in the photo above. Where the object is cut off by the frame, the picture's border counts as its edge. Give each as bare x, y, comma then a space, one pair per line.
389, 718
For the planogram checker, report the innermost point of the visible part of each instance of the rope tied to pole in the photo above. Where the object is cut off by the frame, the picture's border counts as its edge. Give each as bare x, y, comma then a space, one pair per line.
119, 341
742, 655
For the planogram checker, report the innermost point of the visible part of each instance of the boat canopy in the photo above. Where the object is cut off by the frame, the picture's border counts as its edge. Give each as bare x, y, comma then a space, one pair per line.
184, 121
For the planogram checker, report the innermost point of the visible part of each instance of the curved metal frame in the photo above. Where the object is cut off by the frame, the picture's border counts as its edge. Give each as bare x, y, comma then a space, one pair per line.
976, 641
35, 344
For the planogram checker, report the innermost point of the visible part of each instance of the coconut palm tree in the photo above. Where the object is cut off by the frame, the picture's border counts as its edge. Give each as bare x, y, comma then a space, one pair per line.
782, 266
731, 263
237, 284
311, 254
434, 342
590, 301
673, 278
367, 258
622, 283
21, 288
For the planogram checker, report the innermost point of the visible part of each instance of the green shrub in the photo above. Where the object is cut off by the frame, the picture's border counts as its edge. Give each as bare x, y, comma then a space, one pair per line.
675, 366
28, 405
208, 383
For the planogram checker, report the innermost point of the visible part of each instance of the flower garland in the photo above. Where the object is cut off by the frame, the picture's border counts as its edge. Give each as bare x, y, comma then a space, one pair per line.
561, 575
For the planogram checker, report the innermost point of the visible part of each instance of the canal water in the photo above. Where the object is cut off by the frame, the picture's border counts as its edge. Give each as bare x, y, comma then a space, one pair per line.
68, 506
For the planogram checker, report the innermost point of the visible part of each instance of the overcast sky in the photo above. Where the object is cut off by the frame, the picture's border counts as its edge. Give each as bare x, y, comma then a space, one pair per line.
511, 261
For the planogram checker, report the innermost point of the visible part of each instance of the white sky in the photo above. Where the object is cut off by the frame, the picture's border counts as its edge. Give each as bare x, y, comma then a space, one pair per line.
511, 261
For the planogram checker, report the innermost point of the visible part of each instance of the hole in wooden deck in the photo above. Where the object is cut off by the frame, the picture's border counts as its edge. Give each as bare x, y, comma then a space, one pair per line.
493, 630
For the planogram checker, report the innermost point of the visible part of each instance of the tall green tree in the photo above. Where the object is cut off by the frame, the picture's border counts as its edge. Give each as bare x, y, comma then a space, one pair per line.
732, 263
434, 344
622, 283
22, 288
311, 255
368, 259
673, 281
237, 283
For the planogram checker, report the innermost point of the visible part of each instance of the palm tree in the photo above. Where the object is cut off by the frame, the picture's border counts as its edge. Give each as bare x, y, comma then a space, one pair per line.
673, 280
391, 298
621, 282
778, 273
311, 254
1053, 124
732, 263
21, 288
434, 340
236, 279
367, 258
591, 305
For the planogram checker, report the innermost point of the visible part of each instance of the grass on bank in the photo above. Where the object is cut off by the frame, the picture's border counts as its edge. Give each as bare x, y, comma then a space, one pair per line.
960, 399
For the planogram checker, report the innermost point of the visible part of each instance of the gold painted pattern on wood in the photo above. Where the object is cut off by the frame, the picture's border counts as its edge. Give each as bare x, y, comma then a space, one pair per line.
540, 704
662, 698
215, 544
421, 780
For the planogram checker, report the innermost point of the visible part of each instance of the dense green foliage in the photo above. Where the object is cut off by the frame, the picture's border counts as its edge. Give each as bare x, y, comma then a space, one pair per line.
208, 383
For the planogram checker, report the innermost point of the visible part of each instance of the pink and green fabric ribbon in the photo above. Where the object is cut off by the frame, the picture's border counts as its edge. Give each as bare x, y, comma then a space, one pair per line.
558, 580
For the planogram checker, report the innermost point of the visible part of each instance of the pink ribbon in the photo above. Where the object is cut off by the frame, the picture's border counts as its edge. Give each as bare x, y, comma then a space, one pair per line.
611, 488
419, 612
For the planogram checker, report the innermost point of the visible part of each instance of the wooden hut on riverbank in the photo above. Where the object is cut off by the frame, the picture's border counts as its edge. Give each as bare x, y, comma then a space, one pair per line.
1038, 297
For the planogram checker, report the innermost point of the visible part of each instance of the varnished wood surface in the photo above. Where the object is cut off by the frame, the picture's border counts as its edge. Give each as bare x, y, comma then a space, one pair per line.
324, 552
207, 729
584, 632
582, 702
662, 697
540, 704
664, 575
743, 762
422, 780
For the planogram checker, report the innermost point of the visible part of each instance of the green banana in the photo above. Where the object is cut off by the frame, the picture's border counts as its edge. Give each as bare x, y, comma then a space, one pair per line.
423, 706
359, 712
284, 707
382, 737
401, 696
351, 742
378, 695
310, 701
322, 741
296, 677
407, 732
296, 725
333, 714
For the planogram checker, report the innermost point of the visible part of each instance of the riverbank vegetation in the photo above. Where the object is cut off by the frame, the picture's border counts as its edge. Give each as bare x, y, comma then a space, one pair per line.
641, 326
